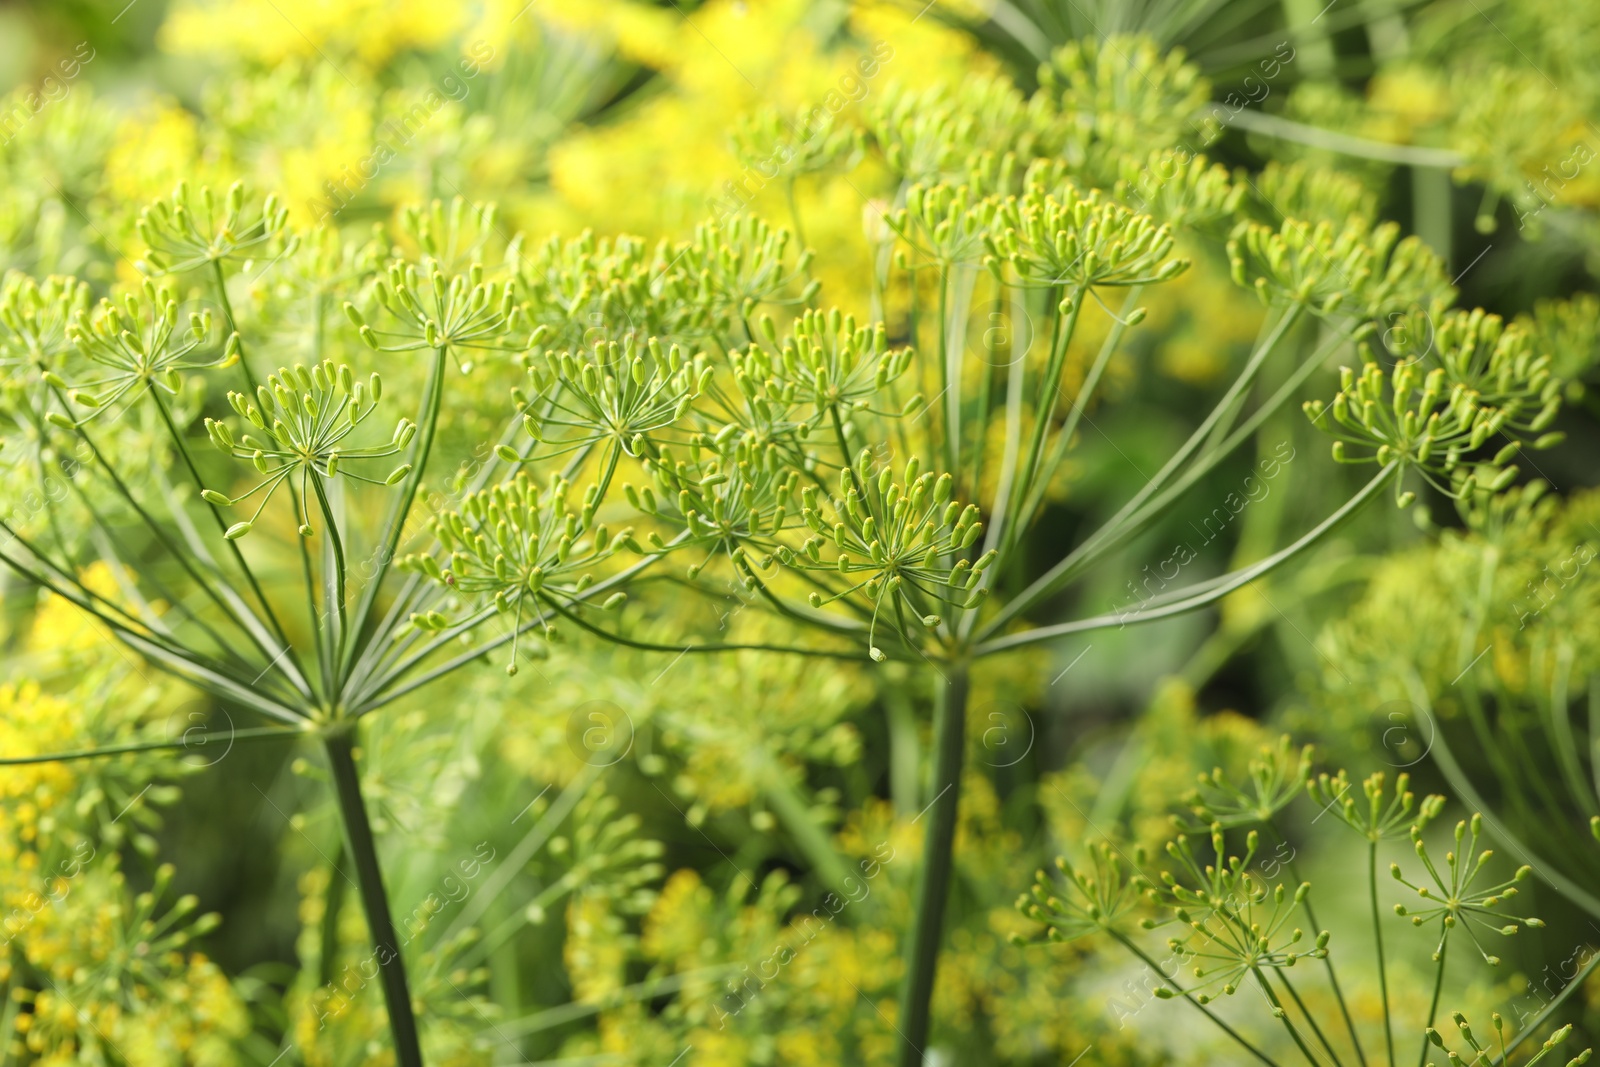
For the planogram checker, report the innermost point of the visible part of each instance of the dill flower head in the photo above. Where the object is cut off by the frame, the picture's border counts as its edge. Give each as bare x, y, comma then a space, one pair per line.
1375, 820
183, 233
1097, 895
1453, 898
1314, 194
1480, 1054
1480, 383
133, 348
1079, 240
34, 321
299, 423
1237, 923
1181, 189
109, 973
1275, 778
515, 543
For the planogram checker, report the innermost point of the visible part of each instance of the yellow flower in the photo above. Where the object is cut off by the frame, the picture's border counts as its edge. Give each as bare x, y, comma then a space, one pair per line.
154, 148
268, 32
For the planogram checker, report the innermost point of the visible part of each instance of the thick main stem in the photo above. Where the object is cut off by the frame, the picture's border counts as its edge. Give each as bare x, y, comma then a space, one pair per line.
927, 923
363, 854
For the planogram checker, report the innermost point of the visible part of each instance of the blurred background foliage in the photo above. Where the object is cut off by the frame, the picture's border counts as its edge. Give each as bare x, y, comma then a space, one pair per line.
596, 855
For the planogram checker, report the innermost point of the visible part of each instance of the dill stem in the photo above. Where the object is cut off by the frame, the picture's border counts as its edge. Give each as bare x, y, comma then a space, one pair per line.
400, 510
1433, 1008
1377, 934
922, 951
1199, 1007
332, 905
221, 281
794, 208
363, 853
949, 407
1312, 1019
1333, 978
1283, 1016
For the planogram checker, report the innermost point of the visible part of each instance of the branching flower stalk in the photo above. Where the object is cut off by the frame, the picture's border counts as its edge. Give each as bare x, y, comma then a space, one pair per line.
1274, 780
1375, 821
1456, 903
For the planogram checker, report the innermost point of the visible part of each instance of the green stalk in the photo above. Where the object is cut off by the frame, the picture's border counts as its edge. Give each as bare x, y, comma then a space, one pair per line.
1005, 485
335, 580
182, 449
1199, 1007
795, 814
1377, 933
252, 733
844, 451
1433, 1008
1045, 409
1052, 579
432, 398
1333, 979
1431, 192
905, 750
1283, 1016
1319, 60
1594, 731
302, 516
1558, 727
950, 412
1445, 760
179, 661
1200, 594
222, 596
1091, 381
363, 854
922, 950
233, 325
332, 905
1316, 1029
982, 415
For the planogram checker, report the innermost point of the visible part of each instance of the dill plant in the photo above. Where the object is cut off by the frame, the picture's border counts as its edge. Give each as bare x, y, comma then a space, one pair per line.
1233, 915
692, 416
1510, 659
